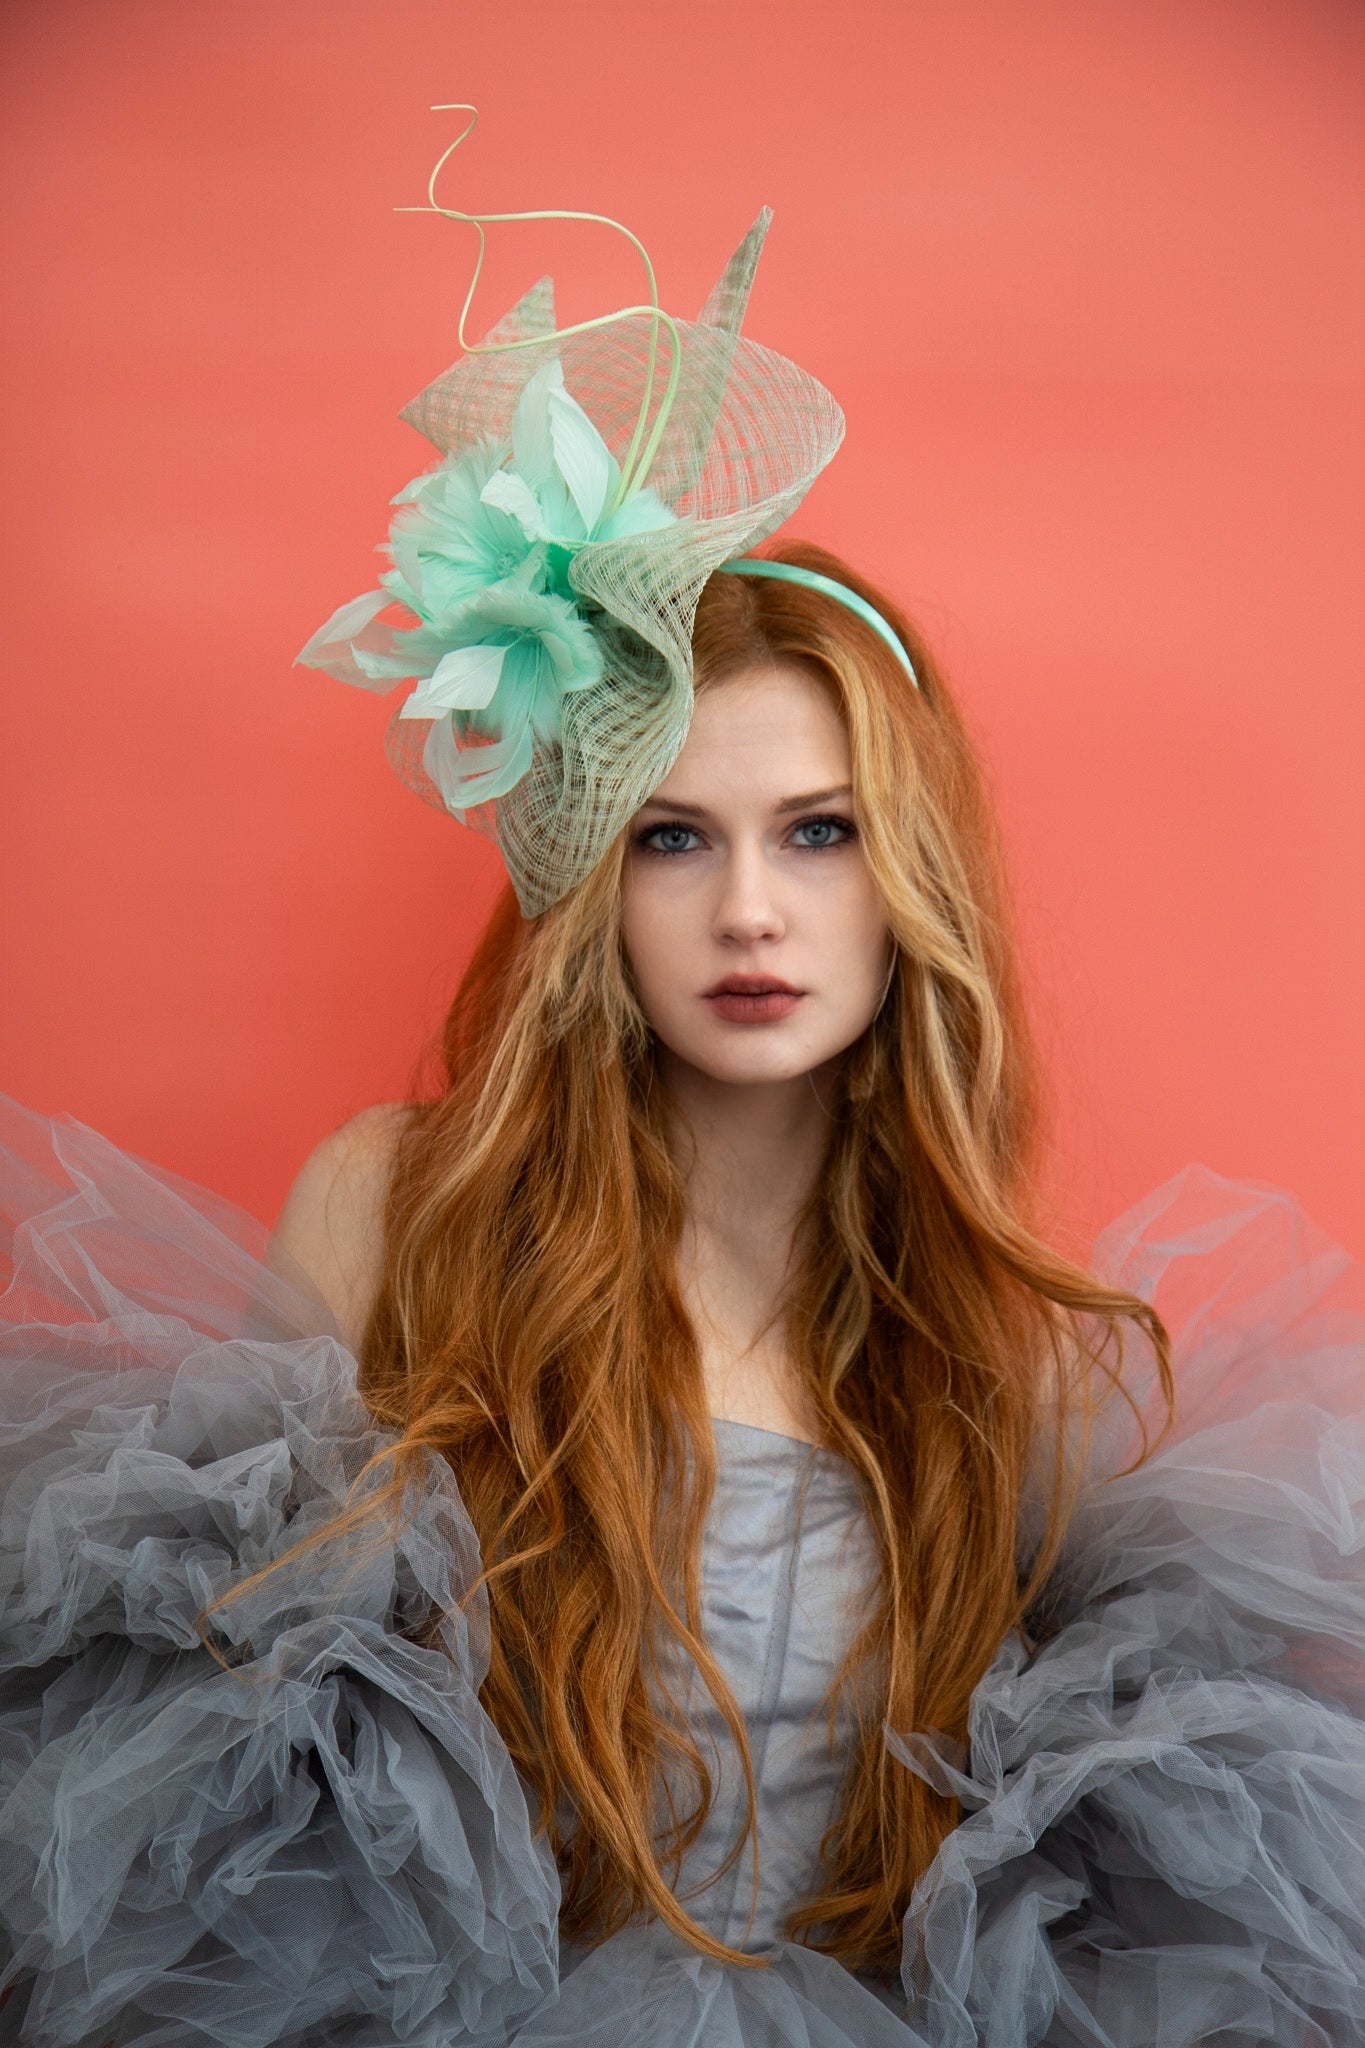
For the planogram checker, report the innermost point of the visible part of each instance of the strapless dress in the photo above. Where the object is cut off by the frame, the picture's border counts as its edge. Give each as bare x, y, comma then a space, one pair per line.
322, 1840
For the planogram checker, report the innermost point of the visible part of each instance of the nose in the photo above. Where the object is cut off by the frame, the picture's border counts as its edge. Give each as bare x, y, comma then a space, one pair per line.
747, 908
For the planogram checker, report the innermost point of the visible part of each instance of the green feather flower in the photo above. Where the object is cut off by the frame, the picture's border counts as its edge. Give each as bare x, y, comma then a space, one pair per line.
481, 549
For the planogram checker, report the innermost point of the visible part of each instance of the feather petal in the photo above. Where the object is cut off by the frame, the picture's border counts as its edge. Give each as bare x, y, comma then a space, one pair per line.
466, 679
467, 776
510, 493
533, 452
581, 457
349, 631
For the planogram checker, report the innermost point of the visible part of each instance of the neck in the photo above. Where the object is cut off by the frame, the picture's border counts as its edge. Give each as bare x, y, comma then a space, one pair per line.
750, 1157
750, 1153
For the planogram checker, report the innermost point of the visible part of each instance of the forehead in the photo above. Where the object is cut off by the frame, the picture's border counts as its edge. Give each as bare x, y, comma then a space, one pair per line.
771, 730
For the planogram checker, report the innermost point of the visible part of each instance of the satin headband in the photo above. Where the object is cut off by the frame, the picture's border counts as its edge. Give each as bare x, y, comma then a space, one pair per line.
788, 572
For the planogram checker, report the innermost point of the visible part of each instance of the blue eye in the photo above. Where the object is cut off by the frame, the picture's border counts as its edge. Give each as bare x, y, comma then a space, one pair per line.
667, 839
822, 832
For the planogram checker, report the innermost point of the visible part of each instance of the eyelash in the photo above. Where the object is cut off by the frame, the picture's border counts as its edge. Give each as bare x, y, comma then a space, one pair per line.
644, 838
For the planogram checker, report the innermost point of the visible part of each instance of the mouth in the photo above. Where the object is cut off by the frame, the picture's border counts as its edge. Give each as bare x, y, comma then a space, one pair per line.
753, 998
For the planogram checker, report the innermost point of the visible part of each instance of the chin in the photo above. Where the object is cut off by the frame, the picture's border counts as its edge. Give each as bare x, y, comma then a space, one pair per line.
747, 1064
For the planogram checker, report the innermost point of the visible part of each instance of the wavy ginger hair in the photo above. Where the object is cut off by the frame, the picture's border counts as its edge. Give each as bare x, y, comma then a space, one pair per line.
529, 1326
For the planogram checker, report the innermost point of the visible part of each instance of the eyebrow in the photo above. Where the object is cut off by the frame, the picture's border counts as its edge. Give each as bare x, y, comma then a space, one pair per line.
815, 796
807, 801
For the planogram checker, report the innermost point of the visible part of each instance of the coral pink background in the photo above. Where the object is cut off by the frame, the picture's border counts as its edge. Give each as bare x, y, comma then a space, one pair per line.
1085, 275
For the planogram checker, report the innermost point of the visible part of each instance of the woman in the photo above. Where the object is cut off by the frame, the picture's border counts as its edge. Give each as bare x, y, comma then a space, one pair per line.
739, 1130
749, 1590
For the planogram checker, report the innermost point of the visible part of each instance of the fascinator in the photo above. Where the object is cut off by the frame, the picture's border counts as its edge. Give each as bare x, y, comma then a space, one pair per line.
545, 573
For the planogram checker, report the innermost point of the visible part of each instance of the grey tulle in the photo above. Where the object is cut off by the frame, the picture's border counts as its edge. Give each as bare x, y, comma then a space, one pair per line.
1163, 1833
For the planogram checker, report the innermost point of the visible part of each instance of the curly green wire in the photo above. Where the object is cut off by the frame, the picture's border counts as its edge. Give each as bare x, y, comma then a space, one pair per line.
638, 460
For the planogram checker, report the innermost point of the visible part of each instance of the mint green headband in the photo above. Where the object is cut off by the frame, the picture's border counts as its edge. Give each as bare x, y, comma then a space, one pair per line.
788, 572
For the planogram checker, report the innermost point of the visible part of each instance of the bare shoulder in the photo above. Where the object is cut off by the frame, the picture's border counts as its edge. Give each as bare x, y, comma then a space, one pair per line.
332, 1221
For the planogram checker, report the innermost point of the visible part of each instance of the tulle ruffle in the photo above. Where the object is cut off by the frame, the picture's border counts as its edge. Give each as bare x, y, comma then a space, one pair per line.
322, 1840
326, 1840
1163, 1838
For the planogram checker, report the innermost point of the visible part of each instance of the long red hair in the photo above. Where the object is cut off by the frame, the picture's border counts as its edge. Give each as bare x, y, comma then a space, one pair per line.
529, 1327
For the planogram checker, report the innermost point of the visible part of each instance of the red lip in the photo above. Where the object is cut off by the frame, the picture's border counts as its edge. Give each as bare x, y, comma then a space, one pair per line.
753, 985
753, 998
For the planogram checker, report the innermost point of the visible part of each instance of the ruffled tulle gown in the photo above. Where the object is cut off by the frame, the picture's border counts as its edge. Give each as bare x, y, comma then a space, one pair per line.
320, 1838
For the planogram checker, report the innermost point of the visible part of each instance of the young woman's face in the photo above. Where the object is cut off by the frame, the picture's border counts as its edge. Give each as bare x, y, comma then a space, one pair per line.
754, 931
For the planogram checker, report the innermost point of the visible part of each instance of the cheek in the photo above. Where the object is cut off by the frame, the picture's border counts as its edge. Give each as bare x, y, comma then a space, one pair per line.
867, 960
651, 941
855, 935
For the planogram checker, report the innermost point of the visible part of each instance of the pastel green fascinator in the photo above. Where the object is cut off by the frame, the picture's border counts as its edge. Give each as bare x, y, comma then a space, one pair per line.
545, 574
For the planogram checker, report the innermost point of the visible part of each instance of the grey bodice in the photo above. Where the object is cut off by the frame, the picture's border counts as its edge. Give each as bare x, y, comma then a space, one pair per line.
788, 1566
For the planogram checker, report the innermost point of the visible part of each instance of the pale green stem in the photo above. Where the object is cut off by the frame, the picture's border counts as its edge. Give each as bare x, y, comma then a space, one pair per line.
636, 466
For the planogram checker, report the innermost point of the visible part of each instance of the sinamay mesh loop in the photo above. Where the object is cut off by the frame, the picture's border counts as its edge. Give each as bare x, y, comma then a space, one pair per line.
555, 667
